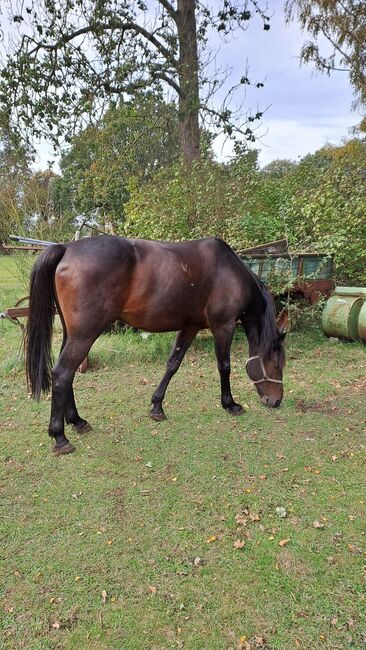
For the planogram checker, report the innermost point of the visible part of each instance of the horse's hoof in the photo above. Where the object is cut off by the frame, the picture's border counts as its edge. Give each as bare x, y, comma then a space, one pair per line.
85, 427
235, 410
158, 417
64, 449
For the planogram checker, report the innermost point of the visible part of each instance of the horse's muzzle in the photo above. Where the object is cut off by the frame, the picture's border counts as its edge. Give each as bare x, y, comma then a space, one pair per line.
272, 403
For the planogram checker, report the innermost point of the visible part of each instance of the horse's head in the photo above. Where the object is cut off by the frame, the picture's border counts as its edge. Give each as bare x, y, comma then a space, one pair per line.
265, 371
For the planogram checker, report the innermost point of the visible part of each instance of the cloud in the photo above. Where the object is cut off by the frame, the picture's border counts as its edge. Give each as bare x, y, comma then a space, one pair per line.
303, 109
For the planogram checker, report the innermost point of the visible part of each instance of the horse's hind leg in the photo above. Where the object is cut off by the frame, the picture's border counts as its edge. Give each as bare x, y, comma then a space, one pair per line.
71, 413
223, 336
63, 404
180, 347
72, 416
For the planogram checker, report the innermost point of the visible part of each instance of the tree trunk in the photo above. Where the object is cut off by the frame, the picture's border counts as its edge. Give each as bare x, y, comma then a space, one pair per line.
188, 79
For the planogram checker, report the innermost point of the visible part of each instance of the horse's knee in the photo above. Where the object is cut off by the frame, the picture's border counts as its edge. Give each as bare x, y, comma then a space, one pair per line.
173, 365
224, 367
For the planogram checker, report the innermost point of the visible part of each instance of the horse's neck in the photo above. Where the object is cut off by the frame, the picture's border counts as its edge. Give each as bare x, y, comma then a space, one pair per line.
253, 323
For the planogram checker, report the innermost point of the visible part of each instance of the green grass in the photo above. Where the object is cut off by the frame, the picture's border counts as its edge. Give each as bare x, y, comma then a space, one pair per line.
98, 547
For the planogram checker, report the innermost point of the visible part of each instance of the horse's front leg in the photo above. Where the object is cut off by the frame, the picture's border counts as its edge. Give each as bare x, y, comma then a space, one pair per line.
223, 336
180, 347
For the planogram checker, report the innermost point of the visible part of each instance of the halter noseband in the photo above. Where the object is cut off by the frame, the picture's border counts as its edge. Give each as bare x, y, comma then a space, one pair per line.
265, 376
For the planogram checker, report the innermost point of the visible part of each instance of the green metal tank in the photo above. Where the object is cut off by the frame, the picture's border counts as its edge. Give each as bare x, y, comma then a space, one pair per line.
362, 323
359, 292
341, 314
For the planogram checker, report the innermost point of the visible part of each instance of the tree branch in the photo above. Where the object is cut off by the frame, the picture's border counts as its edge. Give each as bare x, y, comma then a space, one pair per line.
170, 9
114, 24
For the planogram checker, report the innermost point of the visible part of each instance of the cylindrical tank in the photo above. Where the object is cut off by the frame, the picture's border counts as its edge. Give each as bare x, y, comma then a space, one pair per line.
362, 323
340, 316
359, 292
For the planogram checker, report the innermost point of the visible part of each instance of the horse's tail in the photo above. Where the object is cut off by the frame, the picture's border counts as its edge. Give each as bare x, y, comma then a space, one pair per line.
40, 320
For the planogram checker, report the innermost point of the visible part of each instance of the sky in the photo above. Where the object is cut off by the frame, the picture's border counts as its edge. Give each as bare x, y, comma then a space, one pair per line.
303, 109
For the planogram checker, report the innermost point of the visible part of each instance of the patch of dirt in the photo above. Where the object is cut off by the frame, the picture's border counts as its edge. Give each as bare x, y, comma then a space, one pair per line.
118, 496
290, 565
360, 387
324, 406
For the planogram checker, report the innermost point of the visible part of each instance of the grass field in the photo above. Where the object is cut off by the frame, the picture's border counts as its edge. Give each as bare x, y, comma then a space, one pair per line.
162, 536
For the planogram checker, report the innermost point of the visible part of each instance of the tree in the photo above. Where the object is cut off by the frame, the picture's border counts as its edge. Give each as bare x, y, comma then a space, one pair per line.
67, 59
279, 168
343, 24
15, 171
325, 207
38, 202
133, 139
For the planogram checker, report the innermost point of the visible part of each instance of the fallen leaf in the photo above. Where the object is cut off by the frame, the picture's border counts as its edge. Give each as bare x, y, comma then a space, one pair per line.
197, 561
213, 538
334, 621
317, 524
56, 625
110, 541
152, 590
283, 542
239, 543
254, 517
244, 644
353, 548
149, 464
77, 578
240, 520
104, 596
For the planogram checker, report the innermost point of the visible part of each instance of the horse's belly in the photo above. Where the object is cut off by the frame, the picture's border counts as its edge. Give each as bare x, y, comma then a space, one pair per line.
163, 320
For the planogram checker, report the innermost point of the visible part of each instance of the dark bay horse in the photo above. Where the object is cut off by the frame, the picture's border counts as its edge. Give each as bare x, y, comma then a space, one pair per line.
157, 287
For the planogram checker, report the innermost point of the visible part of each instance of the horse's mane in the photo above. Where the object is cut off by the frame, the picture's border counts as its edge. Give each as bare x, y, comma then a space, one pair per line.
265, 331
270, 339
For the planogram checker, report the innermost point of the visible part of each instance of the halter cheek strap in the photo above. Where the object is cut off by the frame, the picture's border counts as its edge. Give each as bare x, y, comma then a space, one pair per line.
265, 376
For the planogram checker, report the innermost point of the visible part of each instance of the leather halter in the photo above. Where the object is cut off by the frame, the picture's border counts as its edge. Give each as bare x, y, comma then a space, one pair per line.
265, 376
